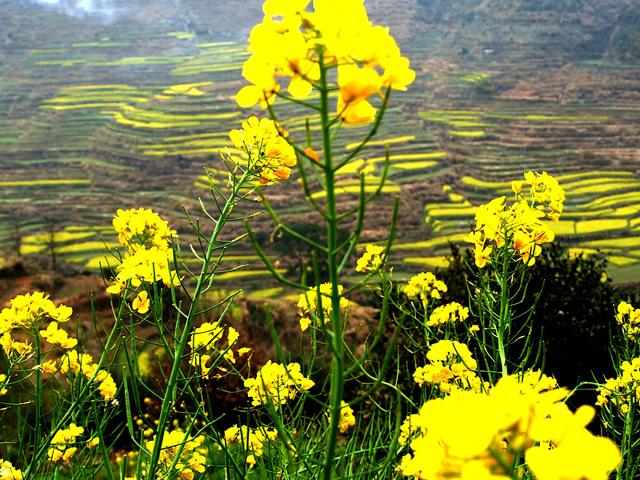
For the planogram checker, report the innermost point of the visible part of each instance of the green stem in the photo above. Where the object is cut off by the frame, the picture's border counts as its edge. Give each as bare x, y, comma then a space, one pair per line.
504, 319
38, 398
202, 281
337, 345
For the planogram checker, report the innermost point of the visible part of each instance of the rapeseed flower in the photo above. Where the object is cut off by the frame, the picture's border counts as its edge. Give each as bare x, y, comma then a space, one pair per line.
424, 287
451, 368
82, 363
371, 260
628, 318
518, 226
347, 419
623, 390
449, 313
149, 256
187, 452
62, 446
481, 435
3, 384
208, 344
277, 384
296, 44
8, 472
310, 309
269, 154
252, 439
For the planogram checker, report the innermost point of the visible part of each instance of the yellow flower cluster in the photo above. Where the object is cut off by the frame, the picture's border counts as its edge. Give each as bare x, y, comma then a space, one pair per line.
472, 435
425, 287
544, 192
270, 155
309, 308
297, 44
207, 344
448, 314
186, 451
371, 260
277, 384
629, 320
137, 228
252, 439
149, 255
78, 363
452, 368
519, 225
8, 472
29, 312
347, 418
62, 444
623, 390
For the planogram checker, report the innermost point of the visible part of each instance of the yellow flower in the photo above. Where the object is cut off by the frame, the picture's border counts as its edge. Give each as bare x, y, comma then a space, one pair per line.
472, 435
295, 44
519, 224
254, 439
61, 447
424, 287
371, 260
310, 309
3, 384
180, 453
347, 419
628, 318
277, 384
450, 313
141, 302
270, 157
83, 364
8, 472
93, 442
55, 336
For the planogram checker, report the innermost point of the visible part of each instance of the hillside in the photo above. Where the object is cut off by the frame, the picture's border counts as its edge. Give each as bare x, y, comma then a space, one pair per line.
126, 108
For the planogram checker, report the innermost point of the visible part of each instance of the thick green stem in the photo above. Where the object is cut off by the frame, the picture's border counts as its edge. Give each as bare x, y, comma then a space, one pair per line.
38, 397
337, 345
504, 319
169, 398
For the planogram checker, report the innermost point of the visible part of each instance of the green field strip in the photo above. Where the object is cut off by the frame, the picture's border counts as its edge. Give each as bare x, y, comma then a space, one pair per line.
43, 183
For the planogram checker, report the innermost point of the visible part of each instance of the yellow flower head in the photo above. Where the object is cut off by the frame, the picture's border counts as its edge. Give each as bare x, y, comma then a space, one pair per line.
62, 444
8, 472
424, 287
255, 439
310, 309
269, 154
295, 44
141, 303
518, 225
277, 384
30, 310
459, 436
180, 454
371, 260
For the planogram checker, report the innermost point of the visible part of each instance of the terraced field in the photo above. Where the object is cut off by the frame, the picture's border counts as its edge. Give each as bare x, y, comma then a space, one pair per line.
128, 114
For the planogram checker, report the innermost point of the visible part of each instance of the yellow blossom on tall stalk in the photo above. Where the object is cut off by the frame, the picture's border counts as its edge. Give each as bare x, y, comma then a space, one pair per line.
628, 318
208, 344
347, 418
8, 472
472, 435
623, 390
180, 454
371, 260
82, 363
310, 309
297, 44
28, 313
519, 225
253, 439
277, 384
270, 157
424, 287
451, 368
449, 313
63, 444
149, 256
3, 383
